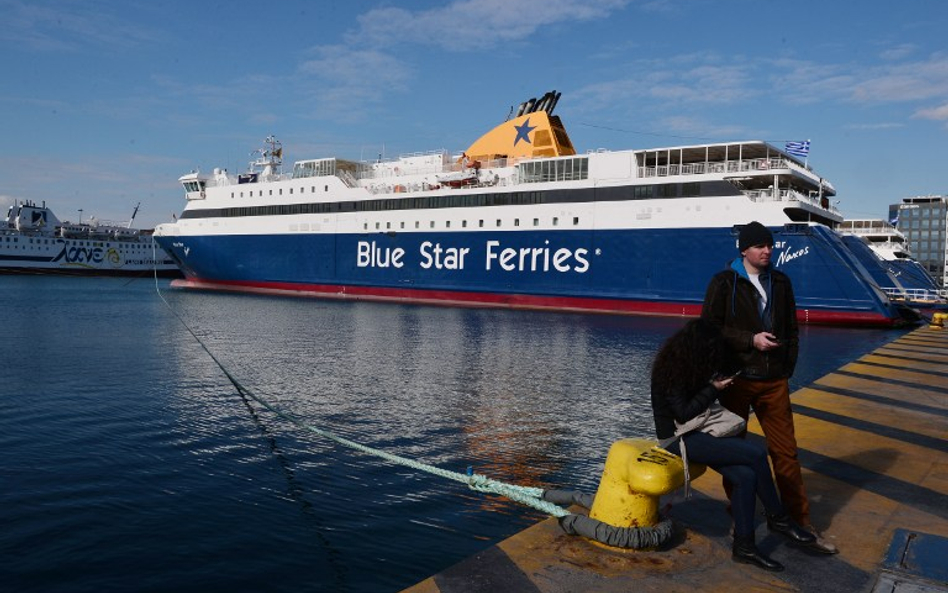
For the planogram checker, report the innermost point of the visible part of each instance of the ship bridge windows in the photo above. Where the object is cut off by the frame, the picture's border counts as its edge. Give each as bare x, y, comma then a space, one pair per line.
196, 185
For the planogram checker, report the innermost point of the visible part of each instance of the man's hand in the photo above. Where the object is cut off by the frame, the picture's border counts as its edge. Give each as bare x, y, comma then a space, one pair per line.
765, 341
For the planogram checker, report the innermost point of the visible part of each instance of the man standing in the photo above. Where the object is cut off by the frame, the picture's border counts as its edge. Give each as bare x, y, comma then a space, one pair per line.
754, 306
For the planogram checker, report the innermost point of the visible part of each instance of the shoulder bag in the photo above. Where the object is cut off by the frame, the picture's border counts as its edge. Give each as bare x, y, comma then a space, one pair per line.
717, 421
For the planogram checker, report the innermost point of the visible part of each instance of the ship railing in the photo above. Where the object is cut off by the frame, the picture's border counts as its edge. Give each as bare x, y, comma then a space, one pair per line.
714, 167
918, 295
863, 227
890, 245
450, 167
790, 195
486, 164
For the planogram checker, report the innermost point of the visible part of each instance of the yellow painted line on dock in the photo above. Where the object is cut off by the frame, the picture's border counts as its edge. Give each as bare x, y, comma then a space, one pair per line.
873, 442
918, 378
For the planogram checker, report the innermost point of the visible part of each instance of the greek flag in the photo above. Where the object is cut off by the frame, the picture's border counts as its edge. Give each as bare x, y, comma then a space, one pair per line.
800, 149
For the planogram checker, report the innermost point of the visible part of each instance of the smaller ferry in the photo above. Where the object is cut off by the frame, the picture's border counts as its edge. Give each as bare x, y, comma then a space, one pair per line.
882, 248
34, 241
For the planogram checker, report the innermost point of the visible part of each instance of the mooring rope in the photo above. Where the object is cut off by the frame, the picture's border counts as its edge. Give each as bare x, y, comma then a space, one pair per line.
536, 498
526, 495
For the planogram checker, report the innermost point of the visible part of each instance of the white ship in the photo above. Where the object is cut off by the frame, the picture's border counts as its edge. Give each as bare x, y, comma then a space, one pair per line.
34, 241
902, 277
522, 220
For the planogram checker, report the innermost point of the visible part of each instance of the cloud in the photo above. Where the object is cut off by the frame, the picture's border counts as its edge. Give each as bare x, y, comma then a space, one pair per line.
365, 68
935, 113
473, 24
908, 81
67, 26
898, 52
345, 77
676, 83
875, 126
347, 67
342, 81
801, 81
691, 128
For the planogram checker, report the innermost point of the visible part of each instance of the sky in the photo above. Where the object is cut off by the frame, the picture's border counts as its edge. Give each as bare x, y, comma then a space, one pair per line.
105, 104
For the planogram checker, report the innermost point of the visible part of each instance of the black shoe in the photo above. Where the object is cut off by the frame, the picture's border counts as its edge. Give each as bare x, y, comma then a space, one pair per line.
745, 552
821, 545
785, 525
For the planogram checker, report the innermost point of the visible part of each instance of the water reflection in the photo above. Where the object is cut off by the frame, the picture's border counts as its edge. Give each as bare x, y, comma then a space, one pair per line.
524, 397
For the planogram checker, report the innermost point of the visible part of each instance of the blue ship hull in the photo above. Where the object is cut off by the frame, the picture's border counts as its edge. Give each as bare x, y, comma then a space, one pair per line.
641, 271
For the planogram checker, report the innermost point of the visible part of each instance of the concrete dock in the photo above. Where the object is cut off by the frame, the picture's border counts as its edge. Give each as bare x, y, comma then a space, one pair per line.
873, 439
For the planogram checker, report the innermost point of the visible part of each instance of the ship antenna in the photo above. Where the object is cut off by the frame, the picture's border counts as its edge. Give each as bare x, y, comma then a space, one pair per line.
134, 212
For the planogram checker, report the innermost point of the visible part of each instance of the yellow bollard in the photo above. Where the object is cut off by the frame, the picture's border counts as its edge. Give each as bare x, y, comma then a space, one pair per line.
636, 475
938, 321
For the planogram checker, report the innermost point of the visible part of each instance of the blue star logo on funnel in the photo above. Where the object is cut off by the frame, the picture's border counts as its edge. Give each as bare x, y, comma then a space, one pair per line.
523, 132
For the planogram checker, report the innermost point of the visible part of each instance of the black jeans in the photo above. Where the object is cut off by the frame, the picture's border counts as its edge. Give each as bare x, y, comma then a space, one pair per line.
744, 465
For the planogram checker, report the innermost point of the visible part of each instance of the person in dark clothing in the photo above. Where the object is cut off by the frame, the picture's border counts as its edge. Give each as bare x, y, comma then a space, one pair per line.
691, 370
753, 305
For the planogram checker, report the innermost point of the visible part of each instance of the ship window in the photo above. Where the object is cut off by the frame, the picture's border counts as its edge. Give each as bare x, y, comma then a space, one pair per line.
365, 226
403, 224
281, 191
325, 188
241, 194
291, 191
376, 226
556, 221
498, 223
690, 189
463, 224
516, 222
480, 223
271, 192
431, 224
447, 224
417, 224
575, 220
388, 225
312, 189
536, 222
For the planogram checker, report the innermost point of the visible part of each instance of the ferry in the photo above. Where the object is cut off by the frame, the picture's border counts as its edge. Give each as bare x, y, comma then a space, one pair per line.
882, 247
34, 241
521, 220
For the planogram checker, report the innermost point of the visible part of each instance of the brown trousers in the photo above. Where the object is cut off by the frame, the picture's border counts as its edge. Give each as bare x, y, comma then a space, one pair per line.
771, 403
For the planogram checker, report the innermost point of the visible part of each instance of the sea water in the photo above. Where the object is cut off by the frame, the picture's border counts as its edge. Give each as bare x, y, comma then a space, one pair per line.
132, 463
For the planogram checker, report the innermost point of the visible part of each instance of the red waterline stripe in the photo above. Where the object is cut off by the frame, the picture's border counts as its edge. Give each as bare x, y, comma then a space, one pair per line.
514, 301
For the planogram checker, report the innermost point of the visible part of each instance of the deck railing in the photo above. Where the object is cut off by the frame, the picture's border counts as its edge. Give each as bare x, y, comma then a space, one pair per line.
918, 295
789, 195
708, 167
